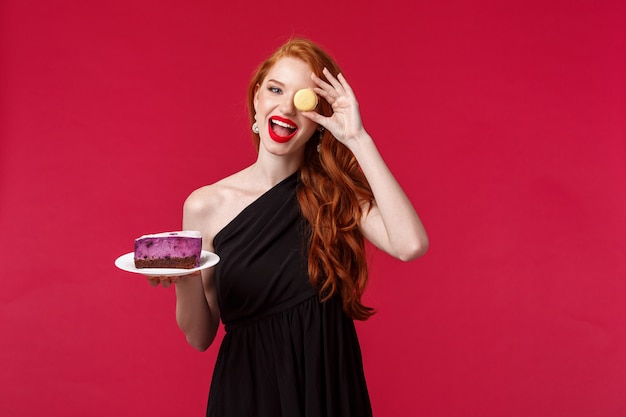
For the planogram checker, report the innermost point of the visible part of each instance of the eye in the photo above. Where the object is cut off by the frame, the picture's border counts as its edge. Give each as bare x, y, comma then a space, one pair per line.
275, 90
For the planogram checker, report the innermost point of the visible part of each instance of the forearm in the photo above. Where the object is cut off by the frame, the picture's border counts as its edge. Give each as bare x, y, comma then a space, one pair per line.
194, 315
404, 235
391, 223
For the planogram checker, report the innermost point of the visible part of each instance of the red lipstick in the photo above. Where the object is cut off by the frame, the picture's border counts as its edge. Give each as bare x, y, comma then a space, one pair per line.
284, 126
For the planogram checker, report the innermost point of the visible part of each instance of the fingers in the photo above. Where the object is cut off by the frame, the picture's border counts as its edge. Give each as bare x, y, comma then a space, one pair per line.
325, 89
154, 281
345, 84
167, 281
316, 117
336, 90
164, 281
334, 81
320, 83
338, 83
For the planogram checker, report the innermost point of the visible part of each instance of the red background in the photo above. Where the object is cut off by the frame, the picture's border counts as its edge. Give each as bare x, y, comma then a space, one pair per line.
504, 121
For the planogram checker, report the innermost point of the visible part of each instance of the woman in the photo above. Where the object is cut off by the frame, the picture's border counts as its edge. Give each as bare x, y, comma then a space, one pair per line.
290, 232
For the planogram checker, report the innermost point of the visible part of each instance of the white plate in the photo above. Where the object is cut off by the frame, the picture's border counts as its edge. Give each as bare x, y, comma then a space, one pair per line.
127, 263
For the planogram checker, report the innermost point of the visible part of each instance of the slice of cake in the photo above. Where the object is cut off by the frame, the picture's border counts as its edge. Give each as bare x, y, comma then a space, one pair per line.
169, 250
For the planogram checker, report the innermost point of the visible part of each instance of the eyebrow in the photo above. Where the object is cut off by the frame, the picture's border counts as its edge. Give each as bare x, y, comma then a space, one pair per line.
271, 80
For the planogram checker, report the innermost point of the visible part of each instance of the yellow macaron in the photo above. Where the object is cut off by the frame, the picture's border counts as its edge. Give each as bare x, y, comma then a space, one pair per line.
305, 99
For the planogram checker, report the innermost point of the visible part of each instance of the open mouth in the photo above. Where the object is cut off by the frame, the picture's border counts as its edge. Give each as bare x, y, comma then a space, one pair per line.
281, 130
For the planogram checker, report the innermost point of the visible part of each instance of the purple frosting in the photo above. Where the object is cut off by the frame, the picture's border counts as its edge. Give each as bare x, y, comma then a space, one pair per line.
167, 245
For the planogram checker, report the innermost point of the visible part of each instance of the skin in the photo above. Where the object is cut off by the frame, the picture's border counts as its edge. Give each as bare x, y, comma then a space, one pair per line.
391, 224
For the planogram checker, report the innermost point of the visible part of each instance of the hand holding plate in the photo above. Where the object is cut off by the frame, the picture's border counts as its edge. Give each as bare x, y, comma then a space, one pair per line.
166, 281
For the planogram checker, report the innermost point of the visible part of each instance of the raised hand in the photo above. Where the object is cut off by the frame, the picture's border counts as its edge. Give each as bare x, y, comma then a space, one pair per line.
345, 123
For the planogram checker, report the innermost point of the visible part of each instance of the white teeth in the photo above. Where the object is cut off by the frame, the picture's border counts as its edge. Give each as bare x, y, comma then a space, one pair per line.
283, 124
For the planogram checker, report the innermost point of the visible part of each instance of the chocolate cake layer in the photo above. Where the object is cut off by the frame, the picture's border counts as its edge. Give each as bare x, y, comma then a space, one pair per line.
167, 262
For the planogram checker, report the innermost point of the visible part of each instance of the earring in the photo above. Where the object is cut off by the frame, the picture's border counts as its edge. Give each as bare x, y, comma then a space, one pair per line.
255, 128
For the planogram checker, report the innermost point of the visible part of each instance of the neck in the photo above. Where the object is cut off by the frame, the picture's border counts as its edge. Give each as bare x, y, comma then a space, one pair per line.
272, 169
268, 177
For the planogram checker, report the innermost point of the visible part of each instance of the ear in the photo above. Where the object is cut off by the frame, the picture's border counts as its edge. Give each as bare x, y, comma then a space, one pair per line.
256, 96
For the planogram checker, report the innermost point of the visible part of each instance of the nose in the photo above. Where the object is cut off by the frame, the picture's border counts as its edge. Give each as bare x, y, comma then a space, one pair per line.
286, 106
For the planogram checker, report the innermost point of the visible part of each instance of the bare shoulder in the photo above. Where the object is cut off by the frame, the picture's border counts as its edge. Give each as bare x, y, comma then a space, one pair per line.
211, 207
202, 200
210, 197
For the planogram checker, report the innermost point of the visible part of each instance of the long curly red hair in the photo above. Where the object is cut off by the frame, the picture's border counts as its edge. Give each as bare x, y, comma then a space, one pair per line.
332, 195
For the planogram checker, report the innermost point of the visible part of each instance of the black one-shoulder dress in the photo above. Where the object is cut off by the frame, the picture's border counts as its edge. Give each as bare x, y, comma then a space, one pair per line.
285, 353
